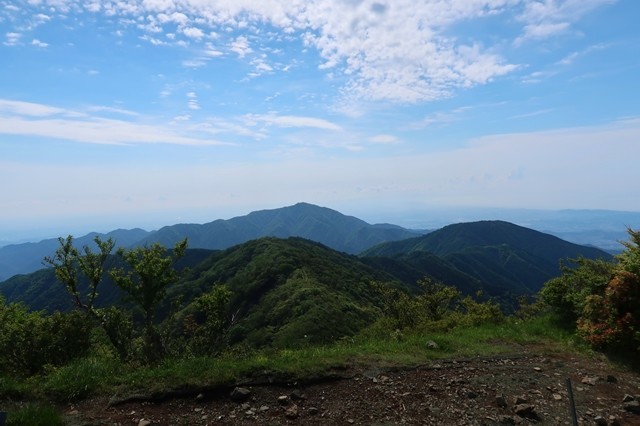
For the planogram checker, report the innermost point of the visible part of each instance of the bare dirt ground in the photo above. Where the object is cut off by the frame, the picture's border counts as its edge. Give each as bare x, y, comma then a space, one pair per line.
524, 388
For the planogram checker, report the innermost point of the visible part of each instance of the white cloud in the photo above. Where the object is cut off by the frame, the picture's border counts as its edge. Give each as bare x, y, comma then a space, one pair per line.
38, 43
12, 39
402, 50
31, 119
384, 139
192, 32
241, 47
547, 18
293, 121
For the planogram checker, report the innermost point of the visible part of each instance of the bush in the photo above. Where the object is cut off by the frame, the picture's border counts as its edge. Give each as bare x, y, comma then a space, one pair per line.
602, 298
29, 341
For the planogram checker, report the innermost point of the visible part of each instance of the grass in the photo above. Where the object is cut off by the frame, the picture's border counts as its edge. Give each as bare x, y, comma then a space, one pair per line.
96, 376
34, 415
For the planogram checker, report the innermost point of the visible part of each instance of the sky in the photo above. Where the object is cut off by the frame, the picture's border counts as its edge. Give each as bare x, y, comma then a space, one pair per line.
143, 113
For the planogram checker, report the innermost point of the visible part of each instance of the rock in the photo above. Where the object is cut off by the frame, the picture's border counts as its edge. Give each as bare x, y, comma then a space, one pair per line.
144, 422
627, 398
601, 421
240, 394
297, 395
313, 411
632, 406
527, 411
432, 345
538, 369
264, 408
471, 394
591, 381
506, 420
200, 397
519, 400
292, 412
245, 406
283, 400
501, 401
557, 397
612, 379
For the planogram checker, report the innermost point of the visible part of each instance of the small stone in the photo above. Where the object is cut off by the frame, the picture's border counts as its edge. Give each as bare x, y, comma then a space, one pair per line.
601, 421
471, 394
627, 398
297, 395
264, 408
245, 406
200, 397
612, 379
519, 400
506, 420
250, 413
313, 411
144, 422
283, 400
351, 421
240, 394
197, 410
557, 397
538, 369
432, 345
527, 411
292, 412
501, 401
632, 406
591, 381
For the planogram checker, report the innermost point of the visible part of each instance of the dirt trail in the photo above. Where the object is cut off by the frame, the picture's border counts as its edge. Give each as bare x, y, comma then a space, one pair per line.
521, 389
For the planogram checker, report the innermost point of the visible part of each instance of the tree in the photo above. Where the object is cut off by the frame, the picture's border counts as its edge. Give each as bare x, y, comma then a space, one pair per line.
151, 271
68, 262
70, 265
602, 298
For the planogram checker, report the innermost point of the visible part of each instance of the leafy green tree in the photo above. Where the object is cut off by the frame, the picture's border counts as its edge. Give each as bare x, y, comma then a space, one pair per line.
68, 262
151, 271
70, 266
206, 327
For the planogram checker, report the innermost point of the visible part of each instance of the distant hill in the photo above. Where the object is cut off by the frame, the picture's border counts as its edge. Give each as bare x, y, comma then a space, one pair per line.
320, 224
326, 226
27, 257
504, 257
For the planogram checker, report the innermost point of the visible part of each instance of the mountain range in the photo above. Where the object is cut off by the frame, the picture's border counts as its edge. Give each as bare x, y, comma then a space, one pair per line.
329, 227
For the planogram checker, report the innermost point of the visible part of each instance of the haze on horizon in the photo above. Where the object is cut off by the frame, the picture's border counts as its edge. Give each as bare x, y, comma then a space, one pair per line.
153, 112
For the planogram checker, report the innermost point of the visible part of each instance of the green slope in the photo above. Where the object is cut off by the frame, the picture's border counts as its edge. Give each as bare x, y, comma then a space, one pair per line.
289, 292
502, 257
329, 227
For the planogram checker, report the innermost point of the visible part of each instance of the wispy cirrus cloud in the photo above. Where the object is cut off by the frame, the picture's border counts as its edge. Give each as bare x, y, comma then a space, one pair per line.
33, 119
292, 121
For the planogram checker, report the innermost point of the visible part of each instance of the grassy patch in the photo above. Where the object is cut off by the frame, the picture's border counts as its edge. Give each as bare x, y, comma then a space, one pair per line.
94, 376
34, 415
81, 378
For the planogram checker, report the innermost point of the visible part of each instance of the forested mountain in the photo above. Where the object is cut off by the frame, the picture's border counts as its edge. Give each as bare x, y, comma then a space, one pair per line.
284, 287
282, 290
329, 227
504, 257
326, 226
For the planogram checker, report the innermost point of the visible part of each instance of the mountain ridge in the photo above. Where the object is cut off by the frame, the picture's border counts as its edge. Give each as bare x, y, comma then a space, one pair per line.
330, 227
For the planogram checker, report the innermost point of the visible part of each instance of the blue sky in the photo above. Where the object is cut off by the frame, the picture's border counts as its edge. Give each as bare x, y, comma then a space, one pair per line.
153, 112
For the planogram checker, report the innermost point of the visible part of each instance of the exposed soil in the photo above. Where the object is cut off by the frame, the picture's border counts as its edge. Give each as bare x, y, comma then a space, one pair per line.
525, 388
